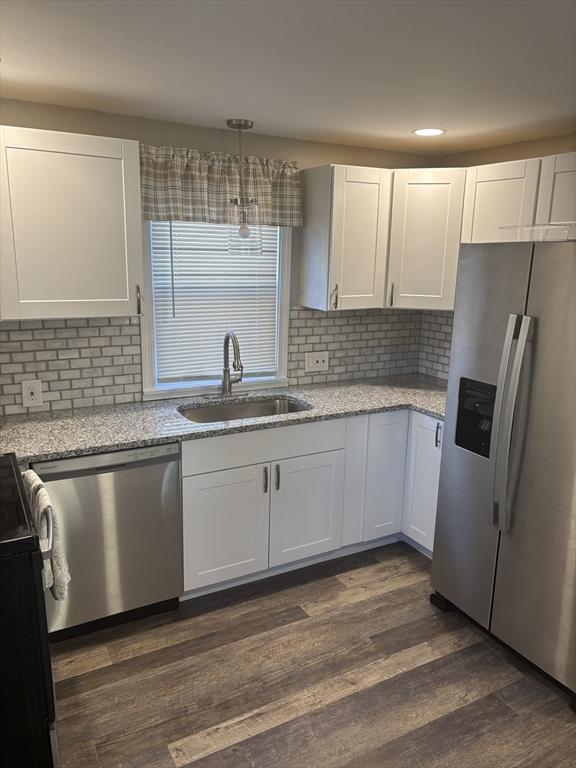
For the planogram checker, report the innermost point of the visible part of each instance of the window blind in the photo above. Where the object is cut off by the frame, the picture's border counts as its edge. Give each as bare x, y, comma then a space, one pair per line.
206, 281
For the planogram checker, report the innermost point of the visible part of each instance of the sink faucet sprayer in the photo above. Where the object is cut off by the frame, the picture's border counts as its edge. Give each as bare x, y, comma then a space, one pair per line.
227, 379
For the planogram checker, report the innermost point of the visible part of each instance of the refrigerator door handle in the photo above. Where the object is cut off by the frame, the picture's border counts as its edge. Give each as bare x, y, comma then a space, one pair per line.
498, 406
502, 503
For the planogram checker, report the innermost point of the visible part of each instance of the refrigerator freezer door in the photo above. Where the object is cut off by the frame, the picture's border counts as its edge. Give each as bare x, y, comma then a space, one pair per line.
492, 284
535, 590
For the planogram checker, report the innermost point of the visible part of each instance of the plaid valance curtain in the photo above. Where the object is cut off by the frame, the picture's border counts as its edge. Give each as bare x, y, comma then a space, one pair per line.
187, 185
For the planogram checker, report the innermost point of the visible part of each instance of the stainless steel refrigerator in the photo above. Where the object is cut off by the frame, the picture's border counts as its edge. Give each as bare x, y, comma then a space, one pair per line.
505, 544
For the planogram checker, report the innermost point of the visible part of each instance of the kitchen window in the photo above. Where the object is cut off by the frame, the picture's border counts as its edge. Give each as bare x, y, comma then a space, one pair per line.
203, 280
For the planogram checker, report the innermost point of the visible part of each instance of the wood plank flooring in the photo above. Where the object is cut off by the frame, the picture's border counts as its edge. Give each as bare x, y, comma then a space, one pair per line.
340, 665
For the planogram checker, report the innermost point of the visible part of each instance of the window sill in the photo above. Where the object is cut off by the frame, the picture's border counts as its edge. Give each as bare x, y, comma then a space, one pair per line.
169, 392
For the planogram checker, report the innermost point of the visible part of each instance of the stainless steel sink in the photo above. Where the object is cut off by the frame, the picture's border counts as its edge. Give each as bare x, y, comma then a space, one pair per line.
242, 409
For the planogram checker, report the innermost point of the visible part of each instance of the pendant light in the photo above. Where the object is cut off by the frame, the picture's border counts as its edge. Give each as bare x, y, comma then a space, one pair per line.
242, 204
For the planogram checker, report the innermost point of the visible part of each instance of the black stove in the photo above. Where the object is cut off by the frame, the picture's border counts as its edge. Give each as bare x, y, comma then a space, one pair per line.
27, 727
17, 532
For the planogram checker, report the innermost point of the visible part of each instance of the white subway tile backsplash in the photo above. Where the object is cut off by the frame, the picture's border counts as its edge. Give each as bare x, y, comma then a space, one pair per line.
98, 361
435, 343
74, 359
361, 343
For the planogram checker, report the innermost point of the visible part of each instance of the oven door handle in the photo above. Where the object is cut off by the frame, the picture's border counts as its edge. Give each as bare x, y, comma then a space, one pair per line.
47, 553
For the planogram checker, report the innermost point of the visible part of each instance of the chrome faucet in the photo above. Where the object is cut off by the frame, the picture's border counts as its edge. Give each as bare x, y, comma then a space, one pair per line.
227, 379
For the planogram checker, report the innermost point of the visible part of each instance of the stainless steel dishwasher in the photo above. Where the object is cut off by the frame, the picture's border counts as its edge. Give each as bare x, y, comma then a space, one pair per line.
122, 531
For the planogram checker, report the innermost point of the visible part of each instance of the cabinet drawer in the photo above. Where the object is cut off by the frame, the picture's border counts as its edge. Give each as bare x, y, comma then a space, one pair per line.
241, 449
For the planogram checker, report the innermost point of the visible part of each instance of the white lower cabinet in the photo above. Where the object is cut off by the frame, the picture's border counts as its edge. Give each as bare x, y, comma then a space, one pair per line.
306, 506
422, 477
285, 505
226, 523
385, 469
367, 477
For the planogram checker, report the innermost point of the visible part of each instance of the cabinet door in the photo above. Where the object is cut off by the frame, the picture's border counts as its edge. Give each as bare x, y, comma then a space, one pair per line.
306, 506
71, 225
557, 192
359, 237
385, 470
498, 199
226, 523
425, 237
422, 478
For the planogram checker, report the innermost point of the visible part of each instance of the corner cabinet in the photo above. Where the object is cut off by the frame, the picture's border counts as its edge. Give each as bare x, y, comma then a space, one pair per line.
498, 200
71, 228
425, 237
344, 242
401, 475
385, 471
557, 193
422, 479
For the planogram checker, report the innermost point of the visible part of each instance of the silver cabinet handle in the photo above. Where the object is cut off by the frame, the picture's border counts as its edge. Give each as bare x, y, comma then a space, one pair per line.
437, 435
277, 468
503, 464
138, 300
334, 297
392, 295
266, 479
498, 405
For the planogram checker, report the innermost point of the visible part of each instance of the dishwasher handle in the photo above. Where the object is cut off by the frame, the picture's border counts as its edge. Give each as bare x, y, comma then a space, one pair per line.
107, 462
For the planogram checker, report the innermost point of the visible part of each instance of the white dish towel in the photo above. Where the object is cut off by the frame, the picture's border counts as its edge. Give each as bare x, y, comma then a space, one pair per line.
55, 572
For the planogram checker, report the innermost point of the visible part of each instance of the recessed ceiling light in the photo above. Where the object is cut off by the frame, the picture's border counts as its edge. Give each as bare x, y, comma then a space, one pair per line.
429, 131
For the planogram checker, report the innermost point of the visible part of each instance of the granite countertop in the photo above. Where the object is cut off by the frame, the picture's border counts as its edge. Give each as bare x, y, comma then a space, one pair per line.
62, 434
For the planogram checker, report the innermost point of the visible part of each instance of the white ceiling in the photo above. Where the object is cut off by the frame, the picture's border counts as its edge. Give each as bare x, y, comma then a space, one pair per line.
359, 72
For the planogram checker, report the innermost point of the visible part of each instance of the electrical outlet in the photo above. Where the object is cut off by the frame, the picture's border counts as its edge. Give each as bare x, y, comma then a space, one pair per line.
316, 362
31, 393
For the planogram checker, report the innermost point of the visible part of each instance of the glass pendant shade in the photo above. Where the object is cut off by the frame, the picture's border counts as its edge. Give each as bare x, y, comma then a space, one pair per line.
245, 234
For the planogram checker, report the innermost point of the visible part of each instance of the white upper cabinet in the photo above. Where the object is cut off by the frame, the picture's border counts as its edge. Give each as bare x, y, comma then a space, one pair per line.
557, 192
422, 478
499, 199
71, 228
425, 237
345, 237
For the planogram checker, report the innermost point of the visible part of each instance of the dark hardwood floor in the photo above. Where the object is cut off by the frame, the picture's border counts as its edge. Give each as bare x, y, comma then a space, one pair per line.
341, 665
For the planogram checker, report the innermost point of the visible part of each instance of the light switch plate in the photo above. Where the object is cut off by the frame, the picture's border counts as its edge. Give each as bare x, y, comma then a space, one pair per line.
31, 393
316, 362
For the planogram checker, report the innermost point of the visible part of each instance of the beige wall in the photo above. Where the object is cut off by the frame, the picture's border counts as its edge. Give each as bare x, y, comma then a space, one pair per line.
553, 145
307, 153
